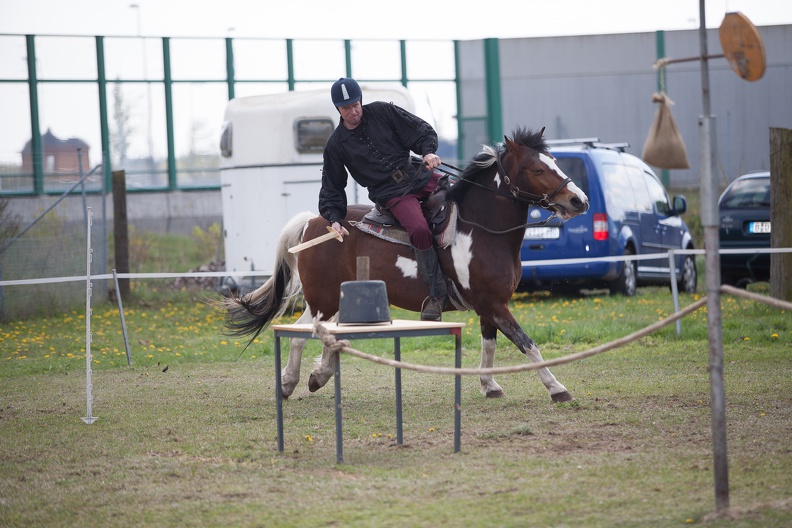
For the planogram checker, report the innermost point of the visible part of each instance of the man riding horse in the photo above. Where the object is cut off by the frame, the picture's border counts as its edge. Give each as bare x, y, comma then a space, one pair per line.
373, 142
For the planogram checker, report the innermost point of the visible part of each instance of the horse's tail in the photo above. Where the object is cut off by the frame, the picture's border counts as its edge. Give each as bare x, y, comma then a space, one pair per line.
251, 313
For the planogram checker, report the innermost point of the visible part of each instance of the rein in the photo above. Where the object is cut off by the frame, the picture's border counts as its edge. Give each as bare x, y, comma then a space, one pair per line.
515, 228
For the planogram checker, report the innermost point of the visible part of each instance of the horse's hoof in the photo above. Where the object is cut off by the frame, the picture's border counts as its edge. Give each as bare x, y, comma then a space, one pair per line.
313, 384
495, 394
562, 397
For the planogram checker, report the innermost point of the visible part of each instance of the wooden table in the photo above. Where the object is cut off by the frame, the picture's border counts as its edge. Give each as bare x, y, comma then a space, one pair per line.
395, 330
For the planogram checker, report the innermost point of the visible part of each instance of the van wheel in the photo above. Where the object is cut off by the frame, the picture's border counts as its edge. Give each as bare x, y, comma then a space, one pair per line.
689, 276
627, 282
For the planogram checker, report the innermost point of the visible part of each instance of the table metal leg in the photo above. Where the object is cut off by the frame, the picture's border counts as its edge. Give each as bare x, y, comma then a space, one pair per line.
397, 357
339, 434
278, 392
458, 395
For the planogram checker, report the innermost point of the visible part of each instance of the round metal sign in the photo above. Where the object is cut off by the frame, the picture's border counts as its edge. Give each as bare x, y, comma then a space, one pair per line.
742, 46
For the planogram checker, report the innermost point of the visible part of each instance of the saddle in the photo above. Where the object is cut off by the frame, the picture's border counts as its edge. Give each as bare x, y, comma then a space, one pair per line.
440, 214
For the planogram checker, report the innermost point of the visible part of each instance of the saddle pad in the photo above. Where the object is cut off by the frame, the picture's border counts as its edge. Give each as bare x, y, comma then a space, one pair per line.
398, 235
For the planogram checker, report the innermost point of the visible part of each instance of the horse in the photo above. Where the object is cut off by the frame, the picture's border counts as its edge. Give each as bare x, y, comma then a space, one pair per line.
482, 263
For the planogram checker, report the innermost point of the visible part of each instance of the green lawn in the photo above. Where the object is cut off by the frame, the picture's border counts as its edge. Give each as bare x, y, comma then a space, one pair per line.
186, 436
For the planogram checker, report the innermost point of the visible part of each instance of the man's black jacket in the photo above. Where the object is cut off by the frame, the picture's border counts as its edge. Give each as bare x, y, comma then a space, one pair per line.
372, 152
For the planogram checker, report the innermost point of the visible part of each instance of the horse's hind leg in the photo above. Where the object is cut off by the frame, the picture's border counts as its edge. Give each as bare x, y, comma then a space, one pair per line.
290, 375
325, 367
489, 386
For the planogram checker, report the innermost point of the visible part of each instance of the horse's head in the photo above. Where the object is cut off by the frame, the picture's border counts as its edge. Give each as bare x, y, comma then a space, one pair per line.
533, 176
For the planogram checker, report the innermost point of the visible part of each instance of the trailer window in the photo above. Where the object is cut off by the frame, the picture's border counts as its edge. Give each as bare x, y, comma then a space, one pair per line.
311, 133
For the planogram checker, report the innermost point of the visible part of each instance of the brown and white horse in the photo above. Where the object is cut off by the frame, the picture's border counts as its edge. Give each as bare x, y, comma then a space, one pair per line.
482, 263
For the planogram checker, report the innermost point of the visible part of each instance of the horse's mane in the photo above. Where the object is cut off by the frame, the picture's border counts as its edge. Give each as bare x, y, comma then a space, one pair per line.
482, 166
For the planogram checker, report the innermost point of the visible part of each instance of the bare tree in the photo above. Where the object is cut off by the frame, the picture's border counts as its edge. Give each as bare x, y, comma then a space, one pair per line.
119, 136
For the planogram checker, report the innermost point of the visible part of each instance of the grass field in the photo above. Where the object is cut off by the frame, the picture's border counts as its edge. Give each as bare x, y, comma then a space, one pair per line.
186, 436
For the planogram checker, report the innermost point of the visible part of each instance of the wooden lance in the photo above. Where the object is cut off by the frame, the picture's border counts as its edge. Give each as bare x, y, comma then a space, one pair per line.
318, 240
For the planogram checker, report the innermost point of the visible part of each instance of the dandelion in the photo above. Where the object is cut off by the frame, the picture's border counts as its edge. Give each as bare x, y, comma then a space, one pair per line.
308, 438
774, 336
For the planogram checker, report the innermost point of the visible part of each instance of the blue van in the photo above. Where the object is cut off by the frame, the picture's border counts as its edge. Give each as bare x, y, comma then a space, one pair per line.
630, 213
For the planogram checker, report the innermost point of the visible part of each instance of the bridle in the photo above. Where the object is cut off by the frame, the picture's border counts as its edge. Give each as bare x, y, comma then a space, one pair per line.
543, 201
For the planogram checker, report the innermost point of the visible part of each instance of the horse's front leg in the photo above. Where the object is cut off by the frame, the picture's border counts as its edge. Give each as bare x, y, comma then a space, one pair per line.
325, 367
506, 323
489, 387
290, 375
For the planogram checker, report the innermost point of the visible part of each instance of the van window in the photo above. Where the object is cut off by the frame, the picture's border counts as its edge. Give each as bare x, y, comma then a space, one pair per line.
575, 169
618, 190
643, 201
658, 194
311, 133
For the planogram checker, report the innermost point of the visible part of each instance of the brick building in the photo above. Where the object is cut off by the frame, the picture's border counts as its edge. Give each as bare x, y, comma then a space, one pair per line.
58, 156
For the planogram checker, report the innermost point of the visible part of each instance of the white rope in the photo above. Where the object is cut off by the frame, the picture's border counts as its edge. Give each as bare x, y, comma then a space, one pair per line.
776, 303
330, 341
334, 345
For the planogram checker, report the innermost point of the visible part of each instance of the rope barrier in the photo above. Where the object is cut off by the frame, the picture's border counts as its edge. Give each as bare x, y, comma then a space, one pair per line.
330, 341
334, 345
775, 303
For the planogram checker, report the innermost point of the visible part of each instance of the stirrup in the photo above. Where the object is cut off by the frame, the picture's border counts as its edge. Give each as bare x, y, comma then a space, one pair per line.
431, 309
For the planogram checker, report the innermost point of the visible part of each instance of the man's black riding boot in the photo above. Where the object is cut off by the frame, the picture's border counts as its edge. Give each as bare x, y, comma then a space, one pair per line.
431, 273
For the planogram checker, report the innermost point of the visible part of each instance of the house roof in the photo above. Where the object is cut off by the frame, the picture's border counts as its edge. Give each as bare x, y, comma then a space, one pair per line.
50, 141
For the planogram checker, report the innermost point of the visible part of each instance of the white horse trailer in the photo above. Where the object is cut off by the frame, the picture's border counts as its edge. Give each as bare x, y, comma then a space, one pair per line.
270, 169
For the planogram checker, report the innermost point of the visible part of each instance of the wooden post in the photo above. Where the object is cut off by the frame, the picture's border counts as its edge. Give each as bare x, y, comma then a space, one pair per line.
362, 272
780, 219
121, 230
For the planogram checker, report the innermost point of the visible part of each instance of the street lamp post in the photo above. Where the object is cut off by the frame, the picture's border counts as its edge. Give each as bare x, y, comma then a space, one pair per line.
139, 27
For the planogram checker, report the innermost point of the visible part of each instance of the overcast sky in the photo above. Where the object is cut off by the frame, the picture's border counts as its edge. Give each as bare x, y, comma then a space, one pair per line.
372, 19
412, 20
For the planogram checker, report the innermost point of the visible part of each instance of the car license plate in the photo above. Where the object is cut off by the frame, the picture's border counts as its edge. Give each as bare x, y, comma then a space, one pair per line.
542, 233
758, 227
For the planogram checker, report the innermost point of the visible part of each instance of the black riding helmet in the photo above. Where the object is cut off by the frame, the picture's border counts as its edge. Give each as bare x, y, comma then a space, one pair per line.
345, 91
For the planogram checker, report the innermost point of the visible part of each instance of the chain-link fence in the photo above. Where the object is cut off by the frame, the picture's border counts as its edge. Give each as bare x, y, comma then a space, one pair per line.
53, 245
